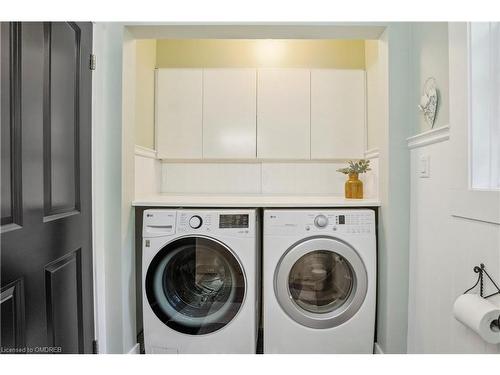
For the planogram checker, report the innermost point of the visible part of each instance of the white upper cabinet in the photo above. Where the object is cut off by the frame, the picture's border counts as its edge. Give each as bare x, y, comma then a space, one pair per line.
283, 114
337, 114
294, 114
229, 113
179, 113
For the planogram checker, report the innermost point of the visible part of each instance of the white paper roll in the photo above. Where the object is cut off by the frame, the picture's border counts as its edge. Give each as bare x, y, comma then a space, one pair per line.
478, 314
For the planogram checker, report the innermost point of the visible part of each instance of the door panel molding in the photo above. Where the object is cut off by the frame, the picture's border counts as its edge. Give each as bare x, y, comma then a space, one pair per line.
14, 220
12, 298
64, 311
50, 208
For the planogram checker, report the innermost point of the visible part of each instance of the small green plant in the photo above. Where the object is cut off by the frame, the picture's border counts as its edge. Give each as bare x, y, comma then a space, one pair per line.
360, 166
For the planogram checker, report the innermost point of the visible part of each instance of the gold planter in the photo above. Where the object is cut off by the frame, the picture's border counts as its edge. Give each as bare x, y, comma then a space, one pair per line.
354, 187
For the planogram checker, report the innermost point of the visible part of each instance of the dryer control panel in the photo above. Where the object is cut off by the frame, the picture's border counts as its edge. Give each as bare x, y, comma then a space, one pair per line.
327, 222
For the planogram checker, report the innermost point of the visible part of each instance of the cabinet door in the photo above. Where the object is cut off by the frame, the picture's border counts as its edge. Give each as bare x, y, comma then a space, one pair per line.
229, 113
179, 113
283, 114
337, 114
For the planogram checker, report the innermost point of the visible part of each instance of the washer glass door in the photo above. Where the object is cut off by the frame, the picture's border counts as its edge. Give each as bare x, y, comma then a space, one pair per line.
195, 285
321, 282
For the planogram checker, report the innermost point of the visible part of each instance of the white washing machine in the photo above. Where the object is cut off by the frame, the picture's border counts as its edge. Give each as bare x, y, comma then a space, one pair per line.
319, 281
200, 281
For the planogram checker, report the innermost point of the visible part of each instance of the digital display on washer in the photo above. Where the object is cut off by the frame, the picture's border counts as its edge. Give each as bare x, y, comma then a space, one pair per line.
233, 221
341, 219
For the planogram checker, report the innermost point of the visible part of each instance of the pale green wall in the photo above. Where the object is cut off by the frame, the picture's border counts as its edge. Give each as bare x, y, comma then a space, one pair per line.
144, 102
236, 53
429, 58
394, 183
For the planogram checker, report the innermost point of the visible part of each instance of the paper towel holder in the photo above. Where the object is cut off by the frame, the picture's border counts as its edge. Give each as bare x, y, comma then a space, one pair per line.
481, 270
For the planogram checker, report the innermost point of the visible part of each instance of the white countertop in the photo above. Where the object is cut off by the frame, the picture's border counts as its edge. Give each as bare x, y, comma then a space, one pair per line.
255, 200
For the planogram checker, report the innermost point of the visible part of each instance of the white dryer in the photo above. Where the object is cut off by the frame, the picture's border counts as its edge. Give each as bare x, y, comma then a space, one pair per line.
200, 281
319, 281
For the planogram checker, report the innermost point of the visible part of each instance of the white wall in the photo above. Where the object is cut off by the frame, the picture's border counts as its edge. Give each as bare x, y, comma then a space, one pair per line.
446, 246
306, 178
145, 84
147, 173
444, 250
376, 101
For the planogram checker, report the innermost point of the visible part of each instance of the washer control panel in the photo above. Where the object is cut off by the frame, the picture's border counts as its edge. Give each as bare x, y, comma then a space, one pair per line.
327, 222
237, 223
197, 222
167, 222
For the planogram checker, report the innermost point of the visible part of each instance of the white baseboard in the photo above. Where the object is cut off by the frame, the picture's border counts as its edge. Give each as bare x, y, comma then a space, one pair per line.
136, 349
377, 349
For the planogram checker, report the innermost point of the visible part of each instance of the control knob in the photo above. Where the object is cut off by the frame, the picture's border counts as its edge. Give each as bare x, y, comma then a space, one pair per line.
321, 221
195, 222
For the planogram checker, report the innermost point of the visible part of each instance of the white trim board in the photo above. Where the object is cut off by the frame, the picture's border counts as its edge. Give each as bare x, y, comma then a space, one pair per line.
252, 200
99, 117
257, 30
429, 137
261, 160
465, 202
372, 153
145, 152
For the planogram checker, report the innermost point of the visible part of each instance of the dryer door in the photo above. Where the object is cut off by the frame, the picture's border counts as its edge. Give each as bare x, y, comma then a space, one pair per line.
321, 282
195, 285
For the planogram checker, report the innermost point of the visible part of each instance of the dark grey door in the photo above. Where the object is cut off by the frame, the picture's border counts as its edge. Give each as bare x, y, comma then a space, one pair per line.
46, 244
